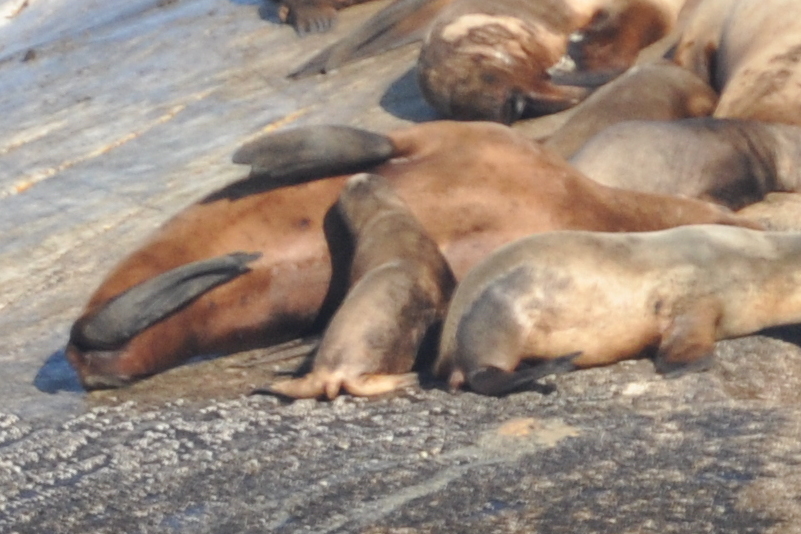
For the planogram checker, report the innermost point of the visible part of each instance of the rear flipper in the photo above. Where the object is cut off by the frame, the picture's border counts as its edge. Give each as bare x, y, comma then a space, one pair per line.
307, 16
304, 154
497, 382
689, 341
132, 311
370, 385
400, 23
310, 386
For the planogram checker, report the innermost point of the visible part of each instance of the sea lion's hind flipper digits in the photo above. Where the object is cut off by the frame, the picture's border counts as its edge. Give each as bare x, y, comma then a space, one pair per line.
132, 311
307, 17
370, 385
308, 153
497, 382
688, 343
400, 23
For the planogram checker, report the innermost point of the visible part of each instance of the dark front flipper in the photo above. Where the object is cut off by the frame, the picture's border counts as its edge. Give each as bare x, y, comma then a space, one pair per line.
497, 382
688, 343
144, 304
308, 153
400, 23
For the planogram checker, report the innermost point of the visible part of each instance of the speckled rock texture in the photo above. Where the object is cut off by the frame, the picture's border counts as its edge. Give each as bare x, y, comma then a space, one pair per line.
118, 114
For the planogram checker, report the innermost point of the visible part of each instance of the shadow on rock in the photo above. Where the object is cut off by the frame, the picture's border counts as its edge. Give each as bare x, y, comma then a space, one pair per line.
404, 100
57, 375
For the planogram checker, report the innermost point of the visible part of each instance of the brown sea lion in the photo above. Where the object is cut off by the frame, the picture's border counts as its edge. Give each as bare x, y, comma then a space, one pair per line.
488, 60
472, 186
610, 297
749, 51
728, 161
659, 91
312, 16
400, 288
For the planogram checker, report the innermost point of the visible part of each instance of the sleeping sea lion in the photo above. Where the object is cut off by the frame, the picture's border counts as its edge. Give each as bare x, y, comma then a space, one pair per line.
488, 60
472, 186
610, 297
728, 161
659, 91
400, 287
749, 51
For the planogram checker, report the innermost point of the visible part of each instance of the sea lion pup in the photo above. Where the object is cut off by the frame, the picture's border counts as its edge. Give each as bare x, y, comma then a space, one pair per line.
472, 186
731, 162
659, 91
611, 297
748, 51
400, 288
312, 16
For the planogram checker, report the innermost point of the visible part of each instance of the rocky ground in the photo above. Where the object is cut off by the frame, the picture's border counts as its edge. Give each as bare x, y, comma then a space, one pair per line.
115, 117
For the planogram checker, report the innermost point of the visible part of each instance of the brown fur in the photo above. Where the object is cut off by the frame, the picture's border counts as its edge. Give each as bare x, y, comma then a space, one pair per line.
400, 288
473, 186
609, 297
661, 91
750, 52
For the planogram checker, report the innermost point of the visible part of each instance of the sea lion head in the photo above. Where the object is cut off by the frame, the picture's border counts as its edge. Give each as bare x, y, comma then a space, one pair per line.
491, 67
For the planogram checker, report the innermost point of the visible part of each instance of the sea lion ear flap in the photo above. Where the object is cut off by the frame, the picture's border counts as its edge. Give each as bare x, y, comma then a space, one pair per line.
497, 382
304, 154
132, 311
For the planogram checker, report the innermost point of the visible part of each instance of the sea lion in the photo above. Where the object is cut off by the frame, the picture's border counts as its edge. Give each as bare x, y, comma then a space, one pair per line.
659, 91
488, 60
728, 161
610, 297
312, 16
472, 186
400, 288
749, 52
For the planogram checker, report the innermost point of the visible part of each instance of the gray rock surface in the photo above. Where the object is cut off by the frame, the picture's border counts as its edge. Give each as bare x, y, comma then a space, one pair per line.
118, 114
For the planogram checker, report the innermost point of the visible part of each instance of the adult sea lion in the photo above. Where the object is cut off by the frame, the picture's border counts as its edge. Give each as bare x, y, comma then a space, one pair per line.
400, 288
659, 91
749, 51
472, 186
488, 60
732, 162
610, 297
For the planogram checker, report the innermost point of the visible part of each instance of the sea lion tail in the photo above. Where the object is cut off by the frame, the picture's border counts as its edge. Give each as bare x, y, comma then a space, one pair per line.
309, 153
131, 312
497, 382
400, 23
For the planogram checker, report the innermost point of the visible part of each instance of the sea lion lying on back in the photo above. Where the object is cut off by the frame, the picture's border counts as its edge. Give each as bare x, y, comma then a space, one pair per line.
659, 91
610, 297
400, 287
748, 51
488, 60
472, 186
732, 162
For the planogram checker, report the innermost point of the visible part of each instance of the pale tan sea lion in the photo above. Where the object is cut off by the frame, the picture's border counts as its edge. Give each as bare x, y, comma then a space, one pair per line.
400, 288
609, 297
728, 161
472, 186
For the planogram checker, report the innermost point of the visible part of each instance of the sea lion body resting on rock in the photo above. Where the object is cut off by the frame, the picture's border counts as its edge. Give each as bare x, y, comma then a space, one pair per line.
400, 288
488, 60
732, 162
472, 186
749, 52
609, 297
659, 91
